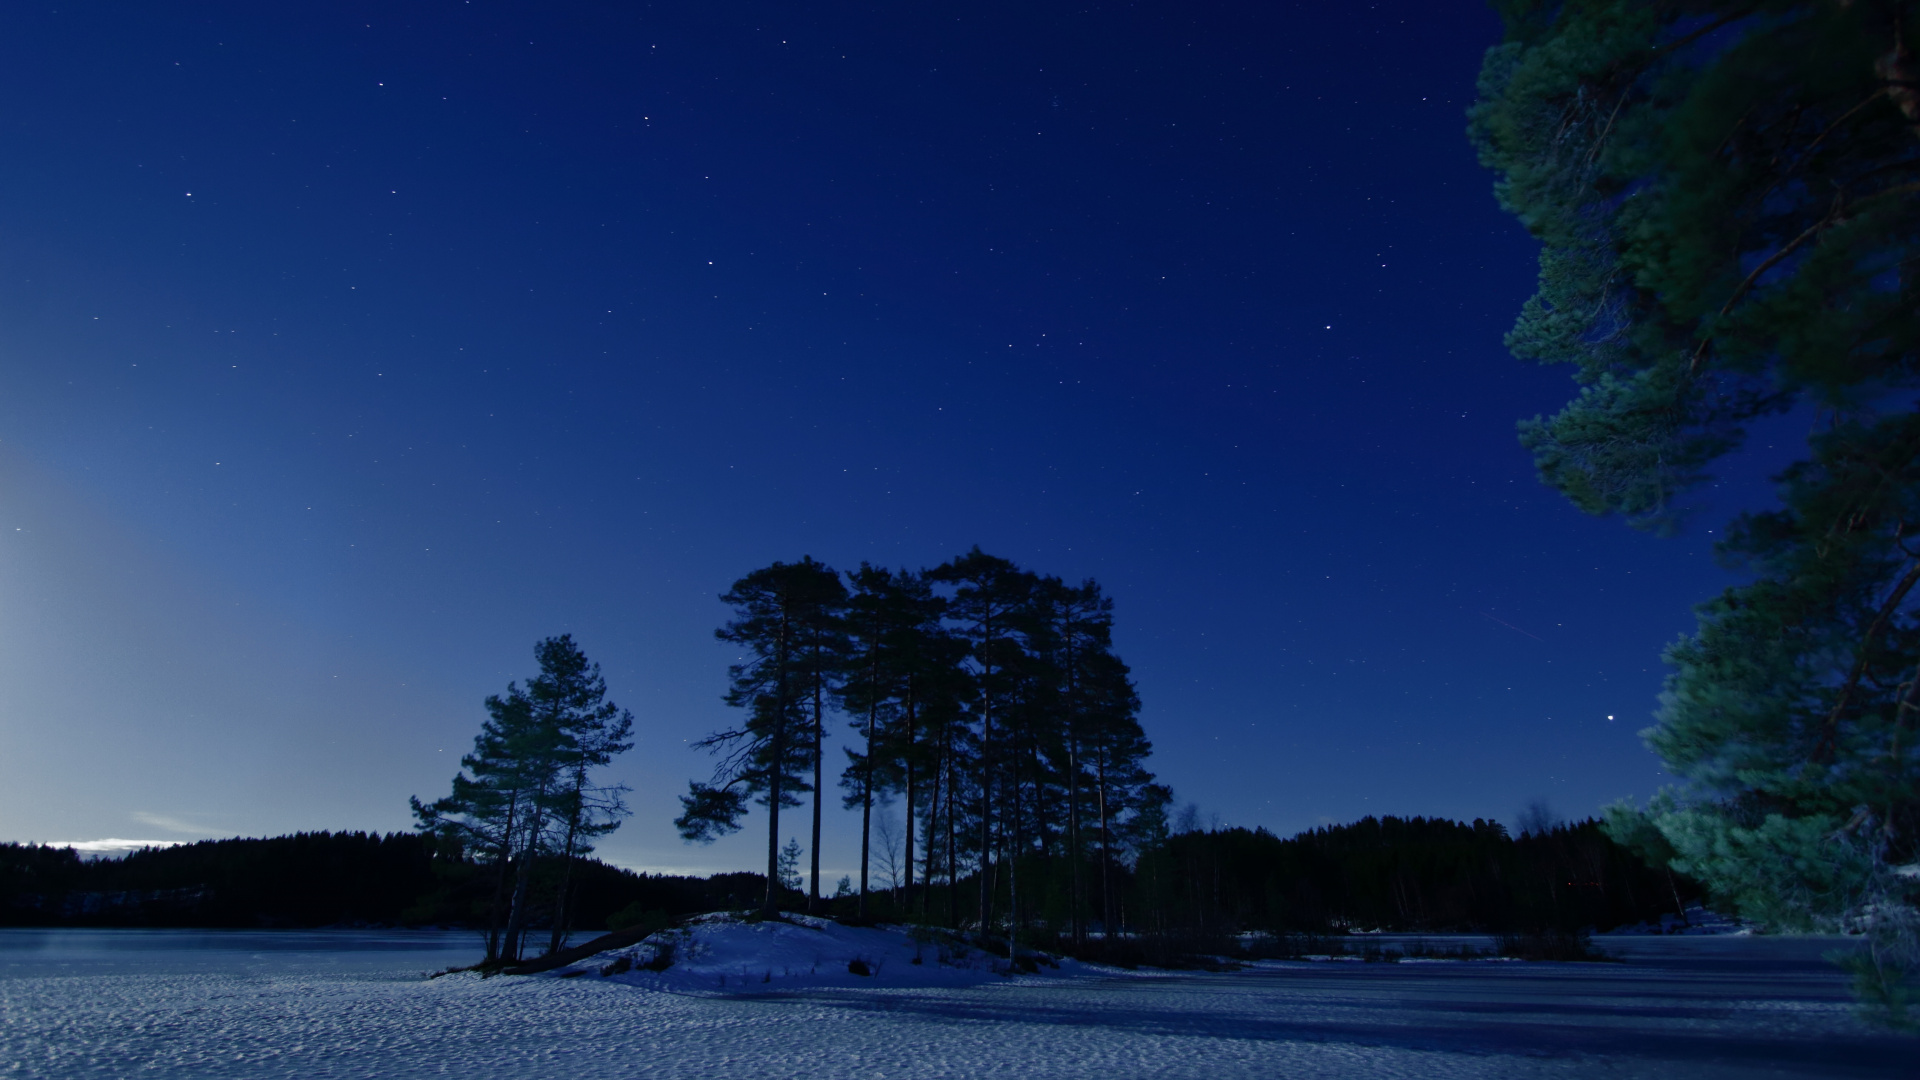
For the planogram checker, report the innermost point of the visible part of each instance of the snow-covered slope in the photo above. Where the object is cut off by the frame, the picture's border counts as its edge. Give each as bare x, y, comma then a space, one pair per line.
730, 954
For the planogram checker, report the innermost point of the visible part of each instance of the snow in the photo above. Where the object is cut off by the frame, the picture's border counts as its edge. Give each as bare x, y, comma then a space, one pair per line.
725, 953
167, 1005
112, 847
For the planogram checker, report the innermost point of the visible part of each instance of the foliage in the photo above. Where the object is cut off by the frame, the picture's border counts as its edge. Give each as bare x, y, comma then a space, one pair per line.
1728, 199
525, 791
785, 618
984, 696
307, 879
788, 867
326, 879
1398, 874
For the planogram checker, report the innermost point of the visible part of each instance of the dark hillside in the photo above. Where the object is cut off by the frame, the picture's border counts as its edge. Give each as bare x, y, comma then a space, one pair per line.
313, 879
1402, 874
1378, 873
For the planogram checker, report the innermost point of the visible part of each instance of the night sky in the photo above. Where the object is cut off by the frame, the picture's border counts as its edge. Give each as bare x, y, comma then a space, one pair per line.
346, 350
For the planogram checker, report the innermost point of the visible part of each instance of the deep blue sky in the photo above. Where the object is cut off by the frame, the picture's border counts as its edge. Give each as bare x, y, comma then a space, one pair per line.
345, 350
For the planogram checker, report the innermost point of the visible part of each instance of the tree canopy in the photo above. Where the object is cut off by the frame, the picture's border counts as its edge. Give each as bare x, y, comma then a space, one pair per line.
1727, 197
525, 794
984, 696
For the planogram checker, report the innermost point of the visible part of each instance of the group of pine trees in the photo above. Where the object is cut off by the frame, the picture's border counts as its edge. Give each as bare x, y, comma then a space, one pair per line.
526, 794
984, 698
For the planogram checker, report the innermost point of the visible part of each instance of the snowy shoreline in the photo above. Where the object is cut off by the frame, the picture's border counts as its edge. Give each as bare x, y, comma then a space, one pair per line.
729, 953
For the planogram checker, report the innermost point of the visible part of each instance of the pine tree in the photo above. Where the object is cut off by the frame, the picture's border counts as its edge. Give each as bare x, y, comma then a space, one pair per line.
1079, 621
789, 866
569, 696
492, 796
869, 689
896, 655
1122, 786
1728, 199
525, 790
990, 597
778, 612
823, 650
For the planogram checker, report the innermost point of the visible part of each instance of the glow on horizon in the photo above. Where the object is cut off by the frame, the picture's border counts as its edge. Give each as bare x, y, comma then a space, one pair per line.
111, 845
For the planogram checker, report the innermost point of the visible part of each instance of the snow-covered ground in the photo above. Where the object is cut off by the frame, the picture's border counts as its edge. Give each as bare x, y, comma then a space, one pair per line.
724, 954
172, 1005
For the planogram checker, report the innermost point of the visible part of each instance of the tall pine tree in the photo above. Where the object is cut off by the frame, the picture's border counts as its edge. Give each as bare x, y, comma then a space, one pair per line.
900, 679
526, 790
989, 608
1728, 200
570, 696
778, 613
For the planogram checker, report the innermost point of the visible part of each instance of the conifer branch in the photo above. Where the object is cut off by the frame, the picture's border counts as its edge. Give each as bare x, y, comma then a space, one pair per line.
1830, 727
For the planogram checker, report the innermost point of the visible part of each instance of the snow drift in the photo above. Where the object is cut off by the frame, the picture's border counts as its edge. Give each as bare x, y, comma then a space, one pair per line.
734, 954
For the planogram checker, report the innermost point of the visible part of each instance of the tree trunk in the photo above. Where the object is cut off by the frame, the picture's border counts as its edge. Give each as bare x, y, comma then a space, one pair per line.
1678, 907
771, 905
986, 807
575, 815
906, 898
819, 792
1013, 886
1076, 916
1106, 851
933, 844
953, 848
504, 863
517, 919
866, 808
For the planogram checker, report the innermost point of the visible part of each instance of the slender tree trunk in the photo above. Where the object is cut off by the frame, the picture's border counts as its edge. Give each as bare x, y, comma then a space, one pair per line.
504, 863
986, 806
866, 807
933, 843
1076, 918
906, 898
953, 848
1106, 850
523, 879
1041, 834
559, 934
819, 790
771, 905
517, 916
1076, 911
991, 860
1013, 885
562, 917
1678, 907
577, 813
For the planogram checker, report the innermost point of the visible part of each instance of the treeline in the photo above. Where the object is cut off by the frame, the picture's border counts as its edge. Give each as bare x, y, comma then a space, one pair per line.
985, 700
1387, 873
325, 879
1399, 874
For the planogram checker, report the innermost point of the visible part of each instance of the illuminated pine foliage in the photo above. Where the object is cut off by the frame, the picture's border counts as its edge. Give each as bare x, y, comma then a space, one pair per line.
1728, 199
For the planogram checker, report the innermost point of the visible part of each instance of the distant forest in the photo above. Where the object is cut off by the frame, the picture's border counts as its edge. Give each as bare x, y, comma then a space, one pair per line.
1387, 873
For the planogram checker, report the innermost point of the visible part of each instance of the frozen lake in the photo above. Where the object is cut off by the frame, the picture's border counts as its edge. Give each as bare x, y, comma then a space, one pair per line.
177, 1004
